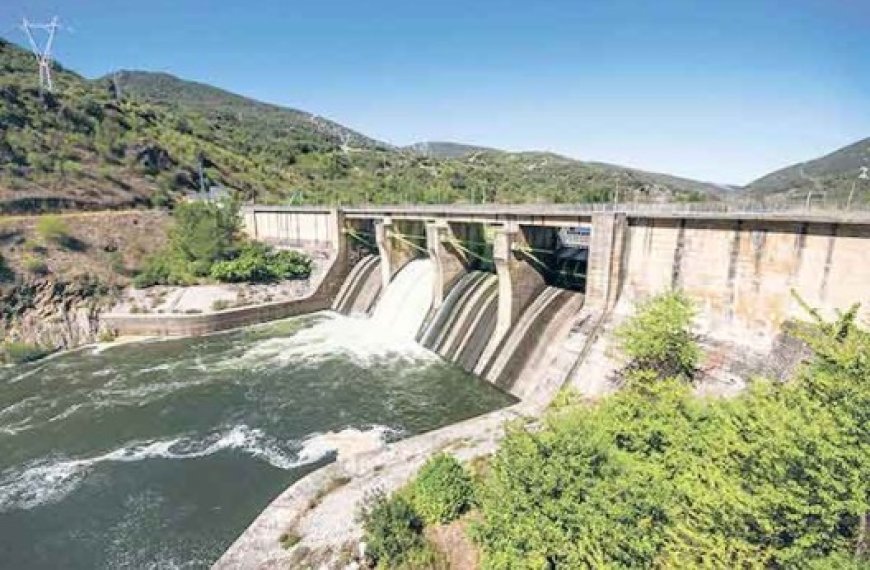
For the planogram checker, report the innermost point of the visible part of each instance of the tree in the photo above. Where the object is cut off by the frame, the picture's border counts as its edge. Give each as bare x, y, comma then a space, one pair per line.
203, 233
659, 337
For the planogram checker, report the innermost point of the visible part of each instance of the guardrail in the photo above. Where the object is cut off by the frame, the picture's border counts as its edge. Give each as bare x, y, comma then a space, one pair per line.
731, 209
628, 207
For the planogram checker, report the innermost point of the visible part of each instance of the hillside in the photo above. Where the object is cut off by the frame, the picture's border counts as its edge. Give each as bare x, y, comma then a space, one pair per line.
91, 145
270, 122
833, 174
442, 149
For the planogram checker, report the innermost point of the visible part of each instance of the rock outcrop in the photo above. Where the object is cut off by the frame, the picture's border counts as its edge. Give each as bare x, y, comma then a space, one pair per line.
52, 313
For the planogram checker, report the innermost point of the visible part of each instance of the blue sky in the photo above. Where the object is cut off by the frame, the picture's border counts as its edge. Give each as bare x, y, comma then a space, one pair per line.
723, 91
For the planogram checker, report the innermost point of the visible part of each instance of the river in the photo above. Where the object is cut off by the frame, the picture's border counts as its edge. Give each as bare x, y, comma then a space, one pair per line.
157, 454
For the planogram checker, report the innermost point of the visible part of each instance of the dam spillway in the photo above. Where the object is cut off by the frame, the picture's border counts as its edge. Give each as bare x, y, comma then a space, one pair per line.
405, 303
463, 326
360, 290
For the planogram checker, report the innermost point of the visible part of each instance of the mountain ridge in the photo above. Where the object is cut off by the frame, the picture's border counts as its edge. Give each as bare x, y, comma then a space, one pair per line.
833, 174
91, 145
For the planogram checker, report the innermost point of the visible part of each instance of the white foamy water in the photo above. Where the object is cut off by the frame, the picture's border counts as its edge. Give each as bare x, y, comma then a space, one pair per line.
389, 333
353, 338
406, 301
49, 480
345, 442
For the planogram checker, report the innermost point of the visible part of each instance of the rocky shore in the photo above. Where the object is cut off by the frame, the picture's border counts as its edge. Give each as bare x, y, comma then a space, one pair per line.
52, 313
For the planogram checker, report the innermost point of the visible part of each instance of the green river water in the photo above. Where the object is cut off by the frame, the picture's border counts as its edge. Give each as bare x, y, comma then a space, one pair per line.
157, 454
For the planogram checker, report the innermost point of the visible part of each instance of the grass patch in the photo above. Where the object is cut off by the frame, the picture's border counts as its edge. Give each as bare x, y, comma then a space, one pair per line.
330, 486
289, 539
52, 229
35, 265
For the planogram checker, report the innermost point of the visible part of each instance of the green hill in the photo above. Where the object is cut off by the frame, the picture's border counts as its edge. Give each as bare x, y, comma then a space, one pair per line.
442, 149
270, 122
832, 175
139, 137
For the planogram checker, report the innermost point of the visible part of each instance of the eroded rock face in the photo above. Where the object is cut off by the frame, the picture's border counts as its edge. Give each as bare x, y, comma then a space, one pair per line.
53, 313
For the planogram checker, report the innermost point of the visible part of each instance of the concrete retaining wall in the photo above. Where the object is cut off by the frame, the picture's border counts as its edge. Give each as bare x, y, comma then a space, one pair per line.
319, 299
188, 325
313, 227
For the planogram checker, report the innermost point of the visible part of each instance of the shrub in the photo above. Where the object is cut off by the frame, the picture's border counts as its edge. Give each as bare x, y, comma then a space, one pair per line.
116, 262
21, 352
289, 539
52, 228
220, 305
659, 337
203, 233
259, 263
107, 335
393, 531
35, 265
778, 477
6, 273
442, 491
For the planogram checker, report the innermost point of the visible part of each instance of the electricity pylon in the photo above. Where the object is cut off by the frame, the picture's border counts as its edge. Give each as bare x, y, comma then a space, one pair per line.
864, 175
43, 54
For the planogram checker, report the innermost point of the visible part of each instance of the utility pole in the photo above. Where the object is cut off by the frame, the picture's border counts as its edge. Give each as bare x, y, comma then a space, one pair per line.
862, 176
43, 54
200, 159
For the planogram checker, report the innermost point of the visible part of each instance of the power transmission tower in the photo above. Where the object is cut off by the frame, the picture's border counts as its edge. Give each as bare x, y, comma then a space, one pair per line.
43, 54
864, 175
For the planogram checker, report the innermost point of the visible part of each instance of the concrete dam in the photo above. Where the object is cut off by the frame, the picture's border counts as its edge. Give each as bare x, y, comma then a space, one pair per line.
501, 282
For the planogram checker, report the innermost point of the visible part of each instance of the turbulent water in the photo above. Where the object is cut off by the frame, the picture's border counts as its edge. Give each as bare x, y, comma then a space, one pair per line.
158, 454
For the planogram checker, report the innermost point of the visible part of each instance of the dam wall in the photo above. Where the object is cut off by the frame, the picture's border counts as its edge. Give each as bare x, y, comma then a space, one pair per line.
739, 267
741, 273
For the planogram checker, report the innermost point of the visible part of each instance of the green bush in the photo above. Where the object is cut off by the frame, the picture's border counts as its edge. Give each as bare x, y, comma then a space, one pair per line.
393, 532
659, 337
6, 273
778, 477
52, 228
259, 263
203, 233
442, 491
21, 352
157, 270
35, 265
